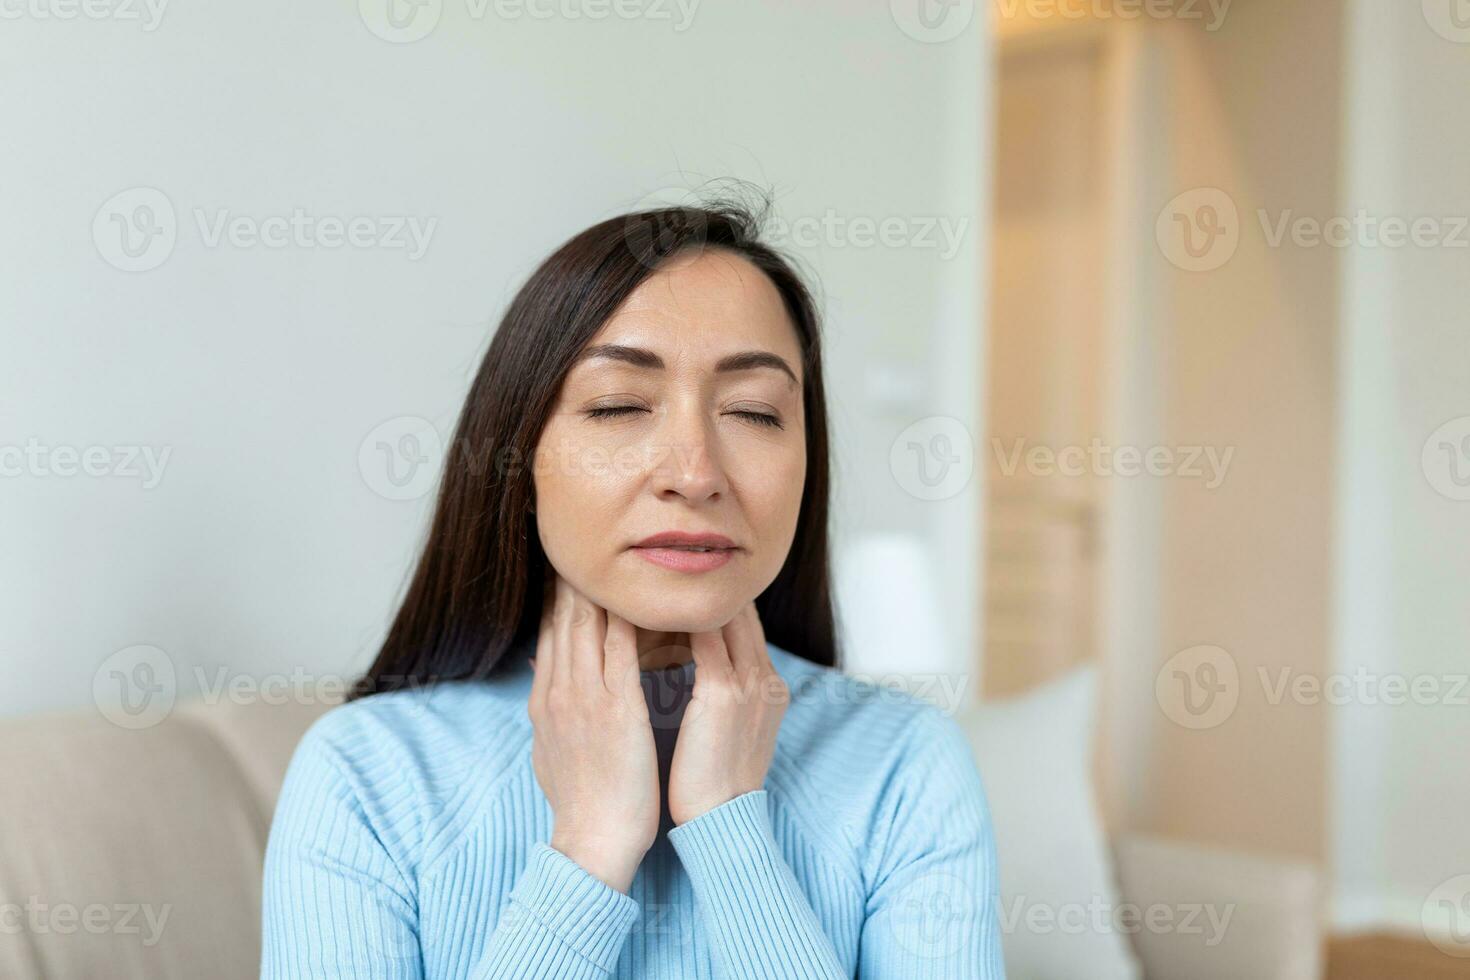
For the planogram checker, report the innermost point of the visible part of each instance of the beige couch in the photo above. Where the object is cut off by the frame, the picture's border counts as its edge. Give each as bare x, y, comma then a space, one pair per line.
138, 853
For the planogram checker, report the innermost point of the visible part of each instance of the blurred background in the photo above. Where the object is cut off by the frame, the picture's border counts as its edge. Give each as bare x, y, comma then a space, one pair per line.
1149, 372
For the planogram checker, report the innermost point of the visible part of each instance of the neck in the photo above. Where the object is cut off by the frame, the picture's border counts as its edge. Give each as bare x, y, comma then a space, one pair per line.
658, 649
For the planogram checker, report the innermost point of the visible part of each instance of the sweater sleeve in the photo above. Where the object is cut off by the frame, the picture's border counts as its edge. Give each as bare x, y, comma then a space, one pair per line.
759, 920
934, 893
561, 921
336, 903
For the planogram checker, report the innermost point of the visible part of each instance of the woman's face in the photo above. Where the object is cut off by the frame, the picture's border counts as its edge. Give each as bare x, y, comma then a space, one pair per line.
688, 446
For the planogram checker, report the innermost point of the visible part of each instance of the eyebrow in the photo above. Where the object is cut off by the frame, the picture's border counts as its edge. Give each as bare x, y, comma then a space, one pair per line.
641, 357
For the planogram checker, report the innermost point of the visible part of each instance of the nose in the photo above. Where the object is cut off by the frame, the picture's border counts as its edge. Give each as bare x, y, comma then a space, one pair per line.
688, 458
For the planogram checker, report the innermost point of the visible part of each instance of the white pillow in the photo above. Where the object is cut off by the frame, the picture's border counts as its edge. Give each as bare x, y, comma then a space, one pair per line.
1059, 900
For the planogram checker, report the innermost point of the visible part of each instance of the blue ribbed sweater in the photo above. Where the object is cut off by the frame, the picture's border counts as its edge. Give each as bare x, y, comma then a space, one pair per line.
410, 841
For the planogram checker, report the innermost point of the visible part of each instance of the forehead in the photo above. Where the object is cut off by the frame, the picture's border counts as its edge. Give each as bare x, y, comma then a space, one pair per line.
697, 308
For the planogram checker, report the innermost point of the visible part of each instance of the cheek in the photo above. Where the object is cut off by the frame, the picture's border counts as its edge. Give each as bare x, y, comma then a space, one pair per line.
584, 486
572, 499
773, 498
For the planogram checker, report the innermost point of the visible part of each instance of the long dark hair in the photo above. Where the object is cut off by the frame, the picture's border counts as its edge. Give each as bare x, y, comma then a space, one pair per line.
476, 592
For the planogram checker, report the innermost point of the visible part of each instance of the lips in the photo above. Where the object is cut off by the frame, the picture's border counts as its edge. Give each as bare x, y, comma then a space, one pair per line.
685, 540
684, 551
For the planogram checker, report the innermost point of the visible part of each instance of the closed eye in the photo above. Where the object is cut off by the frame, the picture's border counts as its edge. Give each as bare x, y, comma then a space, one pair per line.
761, 418
614, 411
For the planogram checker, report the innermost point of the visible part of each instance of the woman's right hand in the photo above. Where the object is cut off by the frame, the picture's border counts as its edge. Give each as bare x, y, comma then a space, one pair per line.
593, 750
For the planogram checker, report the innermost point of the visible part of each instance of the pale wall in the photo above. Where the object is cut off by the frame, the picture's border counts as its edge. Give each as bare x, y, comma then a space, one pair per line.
262, 550
1400, 792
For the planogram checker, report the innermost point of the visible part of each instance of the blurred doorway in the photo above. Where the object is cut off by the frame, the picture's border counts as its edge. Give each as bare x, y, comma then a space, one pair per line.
1046, 360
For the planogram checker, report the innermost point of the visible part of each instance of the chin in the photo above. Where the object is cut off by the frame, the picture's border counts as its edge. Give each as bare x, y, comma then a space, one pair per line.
674, 613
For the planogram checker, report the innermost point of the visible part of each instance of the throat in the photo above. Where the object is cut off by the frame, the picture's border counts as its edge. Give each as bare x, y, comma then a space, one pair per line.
658, 649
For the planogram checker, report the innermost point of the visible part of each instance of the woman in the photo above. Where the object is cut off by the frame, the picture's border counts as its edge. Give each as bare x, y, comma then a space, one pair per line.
606, 735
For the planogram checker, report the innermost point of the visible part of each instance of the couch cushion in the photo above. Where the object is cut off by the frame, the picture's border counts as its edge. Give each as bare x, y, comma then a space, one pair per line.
261, 736
138, 852
1058, 893
1259, 916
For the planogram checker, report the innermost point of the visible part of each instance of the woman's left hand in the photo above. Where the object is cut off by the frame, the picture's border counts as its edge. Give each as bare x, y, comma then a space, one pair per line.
728, 734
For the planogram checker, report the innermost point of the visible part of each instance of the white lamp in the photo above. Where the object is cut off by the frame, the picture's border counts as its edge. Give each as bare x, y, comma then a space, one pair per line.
888, 611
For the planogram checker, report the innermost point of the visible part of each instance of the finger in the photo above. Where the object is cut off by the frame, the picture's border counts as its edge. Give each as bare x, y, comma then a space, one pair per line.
561, 634
711, 658
588, 634
758, 635
740, 641
540, 660
620, 656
